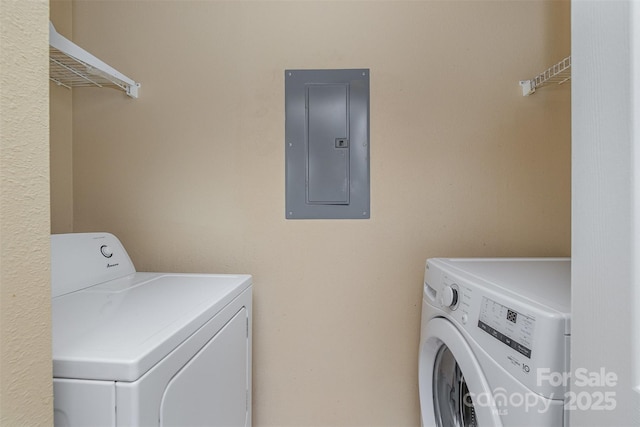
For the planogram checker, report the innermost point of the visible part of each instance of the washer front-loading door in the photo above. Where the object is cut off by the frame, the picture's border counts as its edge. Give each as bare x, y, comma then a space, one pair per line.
453, 389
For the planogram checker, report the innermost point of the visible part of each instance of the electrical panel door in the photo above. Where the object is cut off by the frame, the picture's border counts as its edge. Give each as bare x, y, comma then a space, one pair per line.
327, 144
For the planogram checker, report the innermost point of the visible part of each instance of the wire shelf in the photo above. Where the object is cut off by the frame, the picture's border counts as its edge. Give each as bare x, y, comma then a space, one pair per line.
71, 66
558, 74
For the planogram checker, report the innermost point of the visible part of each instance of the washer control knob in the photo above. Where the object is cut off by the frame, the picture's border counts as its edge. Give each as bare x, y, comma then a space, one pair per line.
448, 296
106, 251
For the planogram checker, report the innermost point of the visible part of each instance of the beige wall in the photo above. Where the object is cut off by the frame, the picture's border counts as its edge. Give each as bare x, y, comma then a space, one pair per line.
61, 133
191, 175
25, 325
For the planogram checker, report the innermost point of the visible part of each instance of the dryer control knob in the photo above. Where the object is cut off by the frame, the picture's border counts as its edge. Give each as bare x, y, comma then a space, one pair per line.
448, 296
107, 252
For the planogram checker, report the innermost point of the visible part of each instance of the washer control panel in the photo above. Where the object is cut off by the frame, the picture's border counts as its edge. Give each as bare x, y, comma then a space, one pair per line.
513, 329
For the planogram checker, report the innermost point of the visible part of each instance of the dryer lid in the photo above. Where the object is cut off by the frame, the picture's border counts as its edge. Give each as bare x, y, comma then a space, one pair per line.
119, 329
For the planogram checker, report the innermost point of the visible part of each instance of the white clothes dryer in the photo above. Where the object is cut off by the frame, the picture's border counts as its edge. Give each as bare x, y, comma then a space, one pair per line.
146, 349
494, 341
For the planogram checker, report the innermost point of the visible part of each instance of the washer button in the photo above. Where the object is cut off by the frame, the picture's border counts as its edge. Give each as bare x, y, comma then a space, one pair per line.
465, 318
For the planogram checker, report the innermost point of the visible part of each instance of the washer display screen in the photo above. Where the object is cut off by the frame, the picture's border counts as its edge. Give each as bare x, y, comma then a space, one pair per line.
512, 328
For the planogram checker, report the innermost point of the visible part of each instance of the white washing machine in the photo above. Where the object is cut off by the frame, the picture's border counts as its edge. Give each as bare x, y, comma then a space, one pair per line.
494, 344
146, 349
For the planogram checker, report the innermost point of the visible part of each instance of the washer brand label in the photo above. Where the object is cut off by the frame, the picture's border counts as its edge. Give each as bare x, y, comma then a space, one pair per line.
514, 361
112, 265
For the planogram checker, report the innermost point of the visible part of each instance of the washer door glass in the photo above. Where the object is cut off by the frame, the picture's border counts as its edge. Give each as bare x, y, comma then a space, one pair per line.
452, 402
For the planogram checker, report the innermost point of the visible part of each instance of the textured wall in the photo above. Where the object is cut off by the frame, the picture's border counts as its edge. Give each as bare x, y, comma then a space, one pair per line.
191, 175
25, 326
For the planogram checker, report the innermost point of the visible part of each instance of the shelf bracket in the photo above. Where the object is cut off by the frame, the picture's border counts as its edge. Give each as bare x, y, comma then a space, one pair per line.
558, 73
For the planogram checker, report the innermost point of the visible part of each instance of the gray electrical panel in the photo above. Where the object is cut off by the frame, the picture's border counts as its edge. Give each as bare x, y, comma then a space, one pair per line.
327, 144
